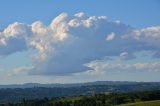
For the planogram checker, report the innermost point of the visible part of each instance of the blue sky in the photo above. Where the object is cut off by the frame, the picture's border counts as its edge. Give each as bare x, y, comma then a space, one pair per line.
21, 62
136, 13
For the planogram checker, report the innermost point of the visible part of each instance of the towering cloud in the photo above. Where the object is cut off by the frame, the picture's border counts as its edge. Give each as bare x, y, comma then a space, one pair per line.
71, 41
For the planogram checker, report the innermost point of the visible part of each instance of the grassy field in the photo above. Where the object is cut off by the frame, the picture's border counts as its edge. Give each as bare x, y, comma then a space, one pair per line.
146, 103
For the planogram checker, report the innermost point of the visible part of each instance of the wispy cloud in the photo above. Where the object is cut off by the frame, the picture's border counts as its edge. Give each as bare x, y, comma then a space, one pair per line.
104, 68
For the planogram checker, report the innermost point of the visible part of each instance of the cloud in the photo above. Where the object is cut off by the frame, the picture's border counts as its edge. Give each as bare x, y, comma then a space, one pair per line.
20, 70
71, 41
126, 56
144, 39
13, 38
110, 36
104, 68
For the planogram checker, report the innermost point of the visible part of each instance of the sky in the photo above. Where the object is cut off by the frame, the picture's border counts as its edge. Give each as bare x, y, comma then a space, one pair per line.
51, 41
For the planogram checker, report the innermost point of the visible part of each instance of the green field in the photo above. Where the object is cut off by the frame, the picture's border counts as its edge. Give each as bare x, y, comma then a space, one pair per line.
146, 103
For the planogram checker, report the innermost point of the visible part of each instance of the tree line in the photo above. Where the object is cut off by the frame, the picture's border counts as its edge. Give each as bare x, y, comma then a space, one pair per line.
109, 99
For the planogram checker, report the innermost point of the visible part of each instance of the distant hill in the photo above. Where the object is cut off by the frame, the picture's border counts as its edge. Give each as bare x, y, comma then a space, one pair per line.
31, 85
14, 93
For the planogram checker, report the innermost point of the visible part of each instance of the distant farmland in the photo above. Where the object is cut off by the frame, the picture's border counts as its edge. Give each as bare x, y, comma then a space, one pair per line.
145, 103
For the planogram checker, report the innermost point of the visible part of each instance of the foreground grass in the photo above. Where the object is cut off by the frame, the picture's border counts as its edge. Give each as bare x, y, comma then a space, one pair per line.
145, 103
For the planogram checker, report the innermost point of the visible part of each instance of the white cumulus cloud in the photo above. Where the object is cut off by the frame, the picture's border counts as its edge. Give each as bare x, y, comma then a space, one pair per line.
71, 41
